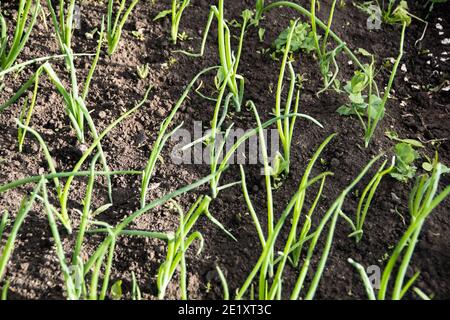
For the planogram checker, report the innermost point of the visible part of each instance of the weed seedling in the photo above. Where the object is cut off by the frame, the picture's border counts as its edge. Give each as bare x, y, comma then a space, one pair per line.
11, 48
396, 12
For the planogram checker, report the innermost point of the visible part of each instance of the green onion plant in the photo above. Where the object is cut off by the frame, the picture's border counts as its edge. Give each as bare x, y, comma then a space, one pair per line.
120, 228
219, 155
371, 125
424, 198
223, 280
135, 290
63, 20
176, 13
116, 23
74, 100
228, 60
26, 19
286, 126
44, 148
74, 103
25, 207
178, 244
4, 291
20, 66
259, 10
81, 282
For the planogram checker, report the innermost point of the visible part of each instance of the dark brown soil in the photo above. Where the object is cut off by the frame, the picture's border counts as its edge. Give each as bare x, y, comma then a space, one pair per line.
419, 109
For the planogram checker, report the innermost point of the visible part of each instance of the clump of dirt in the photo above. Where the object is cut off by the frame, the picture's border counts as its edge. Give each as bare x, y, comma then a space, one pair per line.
419, 109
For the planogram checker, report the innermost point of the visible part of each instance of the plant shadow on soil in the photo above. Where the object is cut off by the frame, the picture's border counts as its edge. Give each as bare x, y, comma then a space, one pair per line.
414, 112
